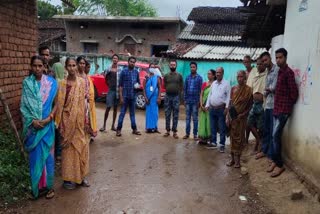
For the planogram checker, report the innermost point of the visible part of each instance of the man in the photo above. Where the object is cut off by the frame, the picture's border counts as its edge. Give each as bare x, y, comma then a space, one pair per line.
255, 118
128, 83
112, 100
250, 72
240, 104
271, 82
44, 51
285, 97
218, 103
173, 84
192, 90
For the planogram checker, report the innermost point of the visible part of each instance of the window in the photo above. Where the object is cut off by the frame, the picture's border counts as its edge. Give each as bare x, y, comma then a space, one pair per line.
157, 49
90, 47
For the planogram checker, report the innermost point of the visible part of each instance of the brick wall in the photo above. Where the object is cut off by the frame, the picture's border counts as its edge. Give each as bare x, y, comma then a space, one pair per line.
18, 42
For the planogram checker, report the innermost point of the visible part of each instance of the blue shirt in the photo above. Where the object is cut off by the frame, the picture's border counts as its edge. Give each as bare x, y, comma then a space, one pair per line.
192, 89
127, 80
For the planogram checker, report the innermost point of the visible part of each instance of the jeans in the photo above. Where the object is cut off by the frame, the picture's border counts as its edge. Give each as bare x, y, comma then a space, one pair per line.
171, 106
192, 109
279, 123
267, 147
131, 103
218, 119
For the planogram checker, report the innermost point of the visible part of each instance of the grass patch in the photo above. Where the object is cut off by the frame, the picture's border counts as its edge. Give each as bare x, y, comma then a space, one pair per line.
14, 170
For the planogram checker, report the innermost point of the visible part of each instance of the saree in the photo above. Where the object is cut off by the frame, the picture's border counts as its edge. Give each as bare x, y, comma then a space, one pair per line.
241, 100
152, 109
70, 118
36, 104
204, 118
91, 118
58, 70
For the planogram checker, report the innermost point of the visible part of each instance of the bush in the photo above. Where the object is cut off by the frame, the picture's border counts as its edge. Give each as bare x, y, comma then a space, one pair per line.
14, 170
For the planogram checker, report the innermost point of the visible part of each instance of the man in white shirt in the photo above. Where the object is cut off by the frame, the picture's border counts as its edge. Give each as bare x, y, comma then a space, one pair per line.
217, 103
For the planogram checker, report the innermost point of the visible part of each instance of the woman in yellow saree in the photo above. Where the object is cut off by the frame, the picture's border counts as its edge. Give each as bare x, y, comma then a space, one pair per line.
70, 118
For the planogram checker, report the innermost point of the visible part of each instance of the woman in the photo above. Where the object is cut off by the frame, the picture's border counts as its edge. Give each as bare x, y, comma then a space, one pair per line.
204, 119
151, 91
38, 94
59, 70
70, 118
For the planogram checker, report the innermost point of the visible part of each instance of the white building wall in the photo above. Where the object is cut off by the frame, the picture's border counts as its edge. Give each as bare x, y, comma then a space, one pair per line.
302, 40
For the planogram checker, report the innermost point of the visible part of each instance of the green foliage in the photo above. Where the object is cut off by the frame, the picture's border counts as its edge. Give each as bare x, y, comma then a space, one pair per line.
46, 10
14, 170
116, 7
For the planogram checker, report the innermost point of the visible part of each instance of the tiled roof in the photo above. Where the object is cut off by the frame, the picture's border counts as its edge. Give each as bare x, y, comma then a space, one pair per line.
50, 29
182, 48
212, 52
187, 35
51, 24
226, 29
217, 15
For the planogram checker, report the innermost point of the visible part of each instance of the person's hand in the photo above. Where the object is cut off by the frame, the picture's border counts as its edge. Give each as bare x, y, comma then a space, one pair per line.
44, 122
225, 111
206, 109
147, 101
121, 100
36, 124
159, 101
241, 116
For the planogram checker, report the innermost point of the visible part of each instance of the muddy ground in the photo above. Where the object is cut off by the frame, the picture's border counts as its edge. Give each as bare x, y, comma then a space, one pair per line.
153, 174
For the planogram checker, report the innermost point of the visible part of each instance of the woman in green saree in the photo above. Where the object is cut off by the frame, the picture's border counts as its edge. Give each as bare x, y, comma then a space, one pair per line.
204, 119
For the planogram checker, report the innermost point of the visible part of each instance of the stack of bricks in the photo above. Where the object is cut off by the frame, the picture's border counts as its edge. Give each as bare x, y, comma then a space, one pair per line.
18, 42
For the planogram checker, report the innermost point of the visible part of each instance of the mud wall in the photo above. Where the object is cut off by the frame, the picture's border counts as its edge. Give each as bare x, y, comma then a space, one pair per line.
302, 40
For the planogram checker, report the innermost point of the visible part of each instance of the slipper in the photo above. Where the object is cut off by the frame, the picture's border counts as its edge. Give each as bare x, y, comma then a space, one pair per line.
237, 166
85, 183
102, 129
185, 137
136, 132
175, 136
259, 155
118, 133
157, 131
69, 185
50, 194
278, 171
230, 163
113, 129
271, 168
167, 134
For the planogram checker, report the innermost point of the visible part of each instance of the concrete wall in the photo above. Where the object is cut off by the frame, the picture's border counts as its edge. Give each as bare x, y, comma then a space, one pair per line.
302, 40
18, 42
106, 34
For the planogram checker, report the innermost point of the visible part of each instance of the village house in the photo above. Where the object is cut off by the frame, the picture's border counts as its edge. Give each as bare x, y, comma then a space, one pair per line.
139, 36
52, 33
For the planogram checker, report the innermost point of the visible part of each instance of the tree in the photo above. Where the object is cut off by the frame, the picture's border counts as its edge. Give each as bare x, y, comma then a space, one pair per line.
116, 7
46, 10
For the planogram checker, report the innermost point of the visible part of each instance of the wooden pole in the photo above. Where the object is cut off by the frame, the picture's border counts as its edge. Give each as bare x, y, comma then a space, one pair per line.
12, 124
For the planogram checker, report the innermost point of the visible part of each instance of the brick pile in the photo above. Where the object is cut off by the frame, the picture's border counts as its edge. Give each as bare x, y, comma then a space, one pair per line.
18, 42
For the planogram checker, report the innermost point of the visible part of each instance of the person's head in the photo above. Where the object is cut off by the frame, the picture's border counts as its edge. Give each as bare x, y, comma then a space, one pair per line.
173, 65
219, 73
212, 75
81, 62
71, 66
37, 66
247, 62
193, 67
281, 57
266, 59
88, 67
115, 59
241, 77
152, 65
44, 52
260, 66
131, 62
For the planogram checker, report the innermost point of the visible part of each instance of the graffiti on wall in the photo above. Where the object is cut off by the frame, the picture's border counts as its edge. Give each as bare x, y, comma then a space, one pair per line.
304, 81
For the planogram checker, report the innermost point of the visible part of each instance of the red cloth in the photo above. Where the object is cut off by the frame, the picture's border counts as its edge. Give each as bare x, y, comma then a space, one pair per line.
204, 85
286, 93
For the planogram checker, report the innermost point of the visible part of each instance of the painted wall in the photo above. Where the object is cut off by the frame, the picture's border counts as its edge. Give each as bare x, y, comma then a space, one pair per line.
302, 40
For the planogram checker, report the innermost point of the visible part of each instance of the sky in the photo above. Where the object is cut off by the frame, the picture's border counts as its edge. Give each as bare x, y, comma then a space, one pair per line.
171, 7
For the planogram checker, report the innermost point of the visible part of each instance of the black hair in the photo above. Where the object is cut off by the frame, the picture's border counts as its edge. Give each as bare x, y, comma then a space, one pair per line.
42, 48
36, 57
247, 57
173, 60
194, 63
87, 63
283, 51
132, 57
79, 58
151, 64
266, 53
213, 72
68, 60
115, 55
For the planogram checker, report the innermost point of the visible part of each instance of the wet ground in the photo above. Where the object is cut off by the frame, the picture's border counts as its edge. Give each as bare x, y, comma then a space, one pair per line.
153, 174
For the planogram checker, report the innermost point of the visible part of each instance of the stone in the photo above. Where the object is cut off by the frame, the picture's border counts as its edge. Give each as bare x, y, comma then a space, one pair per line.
296, 194
244, 171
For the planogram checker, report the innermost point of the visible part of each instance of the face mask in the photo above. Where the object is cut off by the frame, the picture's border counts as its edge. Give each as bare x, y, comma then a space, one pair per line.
172, 69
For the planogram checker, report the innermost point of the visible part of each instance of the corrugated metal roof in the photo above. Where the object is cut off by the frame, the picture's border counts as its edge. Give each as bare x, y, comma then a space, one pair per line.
222, 52
186, 34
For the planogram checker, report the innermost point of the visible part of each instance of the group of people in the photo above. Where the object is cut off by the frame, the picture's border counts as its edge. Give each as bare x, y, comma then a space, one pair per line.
59, 114
58, 110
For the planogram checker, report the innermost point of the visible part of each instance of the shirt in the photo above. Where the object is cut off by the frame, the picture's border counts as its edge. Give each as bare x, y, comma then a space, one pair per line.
286, 93
271, 82
219, 94
252, 73
257, 82
192, 89
112, 79
173, 83
128, 78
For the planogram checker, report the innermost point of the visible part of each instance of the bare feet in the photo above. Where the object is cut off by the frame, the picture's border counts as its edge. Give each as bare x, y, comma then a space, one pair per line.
271, 167
277, 172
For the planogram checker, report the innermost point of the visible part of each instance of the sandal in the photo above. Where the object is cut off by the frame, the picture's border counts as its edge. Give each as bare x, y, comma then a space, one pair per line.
230, 163
259, 155
69, 185
102, 129
175, 136
278, 171
185, 137
157, 131
237, 166
85, 183
136, 132
50, 194
167, 134
118, 133
113, 129
271, 167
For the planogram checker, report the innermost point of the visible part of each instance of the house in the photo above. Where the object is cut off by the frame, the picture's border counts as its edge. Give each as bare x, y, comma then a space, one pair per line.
52, 33
139, 36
